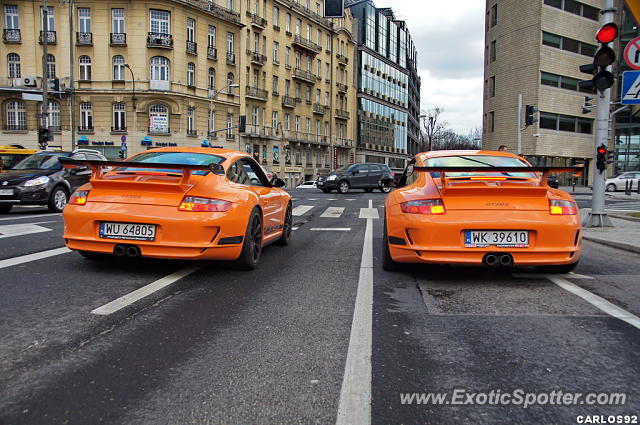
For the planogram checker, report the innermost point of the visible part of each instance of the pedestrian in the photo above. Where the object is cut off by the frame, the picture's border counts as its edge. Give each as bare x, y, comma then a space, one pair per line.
205, 144
502, 148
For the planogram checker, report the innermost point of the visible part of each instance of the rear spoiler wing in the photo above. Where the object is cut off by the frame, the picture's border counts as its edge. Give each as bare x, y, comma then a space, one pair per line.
544, 170
97, 167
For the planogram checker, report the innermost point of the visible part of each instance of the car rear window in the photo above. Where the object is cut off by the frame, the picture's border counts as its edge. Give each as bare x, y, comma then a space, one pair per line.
186, 158
478, 161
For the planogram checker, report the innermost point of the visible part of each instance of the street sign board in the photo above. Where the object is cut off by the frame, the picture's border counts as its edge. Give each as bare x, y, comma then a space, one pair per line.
632, 53
630, 88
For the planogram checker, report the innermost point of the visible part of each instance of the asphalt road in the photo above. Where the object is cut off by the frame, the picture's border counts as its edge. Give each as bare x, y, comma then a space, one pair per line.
221, 346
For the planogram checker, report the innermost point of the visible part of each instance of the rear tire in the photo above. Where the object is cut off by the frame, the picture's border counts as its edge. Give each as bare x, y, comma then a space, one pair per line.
4, 209
385, 189
561, 269
388, 263
58, 199
343, 187
611, 187
287, 228
252, 245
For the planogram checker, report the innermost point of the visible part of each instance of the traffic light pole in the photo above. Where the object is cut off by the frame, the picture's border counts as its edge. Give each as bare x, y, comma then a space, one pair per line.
598, 216
45, 75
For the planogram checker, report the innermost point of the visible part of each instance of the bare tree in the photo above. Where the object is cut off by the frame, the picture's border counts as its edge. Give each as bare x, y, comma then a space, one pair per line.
433, 127
475, 136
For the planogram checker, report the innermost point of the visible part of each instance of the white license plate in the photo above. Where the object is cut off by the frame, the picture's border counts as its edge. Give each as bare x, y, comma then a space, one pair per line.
499, 238
131, 231
320, 184
6, 192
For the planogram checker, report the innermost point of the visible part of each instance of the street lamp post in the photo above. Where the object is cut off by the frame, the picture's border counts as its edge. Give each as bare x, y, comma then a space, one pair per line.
212, 98
133, 98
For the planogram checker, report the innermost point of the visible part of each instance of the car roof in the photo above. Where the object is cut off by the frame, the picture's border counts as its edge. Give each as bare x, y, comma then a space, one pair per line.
437, 154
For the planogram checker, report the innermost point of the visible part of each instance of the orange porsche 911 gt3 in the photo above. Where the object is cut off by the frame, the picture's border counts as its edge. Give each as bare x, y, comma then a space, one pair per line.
180, 203
480, 208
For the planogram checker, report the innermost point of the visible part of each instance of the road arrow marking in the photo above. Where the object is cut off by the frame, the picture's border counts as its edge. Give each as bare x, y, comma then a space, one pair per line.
333, 212
301, 210
11, 230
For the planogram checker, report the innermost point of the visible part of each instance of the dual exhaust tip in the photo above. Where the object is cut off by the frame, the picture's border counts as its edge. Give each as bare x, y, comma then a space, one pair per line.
498, 260
126, 250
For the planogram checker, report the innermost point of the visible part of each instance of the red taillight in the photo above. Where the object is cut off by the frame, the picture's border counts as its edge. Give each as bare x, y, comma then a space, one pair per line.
192, 203
79, 197
423, 206
557, 207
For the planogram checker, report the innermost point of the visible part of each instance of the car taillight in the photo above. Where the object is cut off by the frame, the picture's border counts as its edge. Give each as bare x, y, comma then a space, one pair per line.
557, 207
79, 197
193, 203
423, 206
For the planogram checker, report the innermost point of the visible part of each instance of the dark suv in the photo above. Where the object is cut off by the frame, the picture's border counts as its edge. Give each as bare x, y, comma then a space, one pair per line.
39, 179
358, 176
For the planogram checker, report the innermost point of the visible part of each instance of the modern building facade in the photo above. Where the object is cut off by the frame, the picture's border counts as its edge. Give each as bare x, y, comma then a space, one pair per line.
176, 72
535, 48
388, 87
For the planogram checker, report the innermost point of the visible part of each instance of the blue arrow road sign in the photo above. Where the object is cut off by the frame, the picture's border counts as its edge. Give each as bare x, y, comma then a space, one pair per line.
630, 88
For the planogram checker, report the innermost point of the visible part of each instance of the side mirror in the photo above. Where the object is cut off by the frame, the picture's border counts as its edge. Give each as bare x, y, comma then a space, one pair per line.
276, 182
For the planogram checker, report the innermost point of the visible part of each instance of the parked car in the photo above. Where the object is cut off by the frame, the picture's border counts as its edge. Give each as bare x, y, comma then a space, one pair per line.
39, 179
619, 182
552, 181
307, 185
11, 155
358, 176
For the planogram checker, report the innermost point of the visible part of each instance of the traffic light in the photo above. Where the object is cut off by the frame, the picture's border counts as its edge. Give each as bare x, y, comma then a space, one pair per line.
587, 105
44, 135
529, 117
242, 124
610, 157
121, 154
54, 86
605, 56
601, 158
334, 8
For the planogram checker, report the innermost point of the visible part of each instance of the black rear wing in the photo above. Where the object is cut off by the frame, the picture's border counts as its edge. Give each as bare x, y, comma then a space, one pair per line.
97, 167
544, 170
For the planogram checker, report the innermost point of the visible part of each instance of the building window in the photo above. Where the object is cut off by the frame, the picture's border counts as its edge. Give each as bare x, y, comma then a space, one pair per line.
287, 23
118, 68
51, 66
158, 119
569, 123
160, 21
492, 51
11, 17
191, 74
86, 116
85, 68
276, 16
298, 26
297, 123
575, 7
211, 122
16, 115
492, 122
492, 86
274, 86
274, 119
230, 4
276, 50
287, 56
229, 125
568, 44
229, 43
159, 68
191, 30
53, 119
117, 21
561, 81
191, 120
84, 19
119, 117
229, 83
13, 63
211, 36
308, 126
494, 15
51, 21
287, 122
211, 79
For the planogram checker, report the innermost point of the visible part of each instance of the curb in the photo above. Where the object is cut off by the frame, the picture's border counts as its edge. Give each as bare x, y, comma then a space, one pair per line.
624, 217
619, 245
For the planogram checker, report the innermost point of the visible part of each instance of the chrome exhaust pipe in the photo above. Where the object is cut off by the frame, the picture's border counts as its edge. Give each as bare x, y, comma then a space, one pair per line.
119, 250
506, 260
133, 251
491, 260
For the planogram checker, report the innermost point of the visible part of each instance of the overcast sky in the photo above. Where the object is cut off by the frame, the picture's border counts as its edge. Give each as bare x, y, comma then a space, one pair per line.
449, 36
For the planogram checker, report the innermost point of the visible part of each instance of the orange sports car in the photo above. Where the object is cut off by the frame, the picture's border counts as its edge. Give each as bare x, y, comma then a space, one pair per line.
180, 203
480, 208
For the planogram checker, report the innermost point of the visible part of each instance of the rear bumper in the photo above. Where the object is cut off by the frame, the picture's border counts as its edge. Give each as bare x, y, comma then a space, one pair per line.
553, 240
179, 234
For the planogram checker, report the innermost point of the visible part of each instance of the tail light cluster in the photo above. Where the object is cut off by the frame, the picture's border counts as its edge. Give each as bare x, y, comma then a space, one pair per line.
423, 206
193, 203
79, 197
558, 207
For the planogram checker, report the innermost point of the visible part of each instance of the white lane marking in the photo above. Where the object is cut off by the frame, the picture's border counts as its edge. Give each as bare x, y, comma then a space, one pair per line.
331, 199
369, 213
355, 395
330, 229
33, 257
294, 228
333, 212
570, 275
11, 230
301, 210
143, 292
311, 199
598, 302
350, 199
19, 217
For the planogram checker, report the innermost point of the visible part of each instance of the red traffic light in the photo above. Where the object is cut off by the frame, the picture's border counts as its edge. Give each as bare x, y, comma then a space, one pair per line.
602, 150
607, 33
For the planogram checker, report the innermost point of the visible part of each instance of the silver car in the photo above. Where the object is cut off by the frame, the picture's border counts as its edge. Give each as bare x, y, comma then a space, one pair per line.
619, 182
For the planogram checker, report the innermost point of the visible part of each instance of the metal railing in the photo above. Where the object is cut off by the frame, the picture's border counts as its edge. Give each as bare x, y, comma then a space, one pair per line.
258, 21
342, 59
51, 37
15, 127
192, 47
84, 38
157, 39
118, 39
341, 113
256, 93
212, 52
307, 44
318, 108
257, 58
307, 76
231, 59
11, 36
288, 102
342, 88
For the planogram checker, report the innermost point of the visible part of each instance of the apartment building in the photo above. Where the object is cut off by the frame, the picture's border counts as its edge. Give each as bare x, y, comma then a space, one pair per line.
174, 73
534, 48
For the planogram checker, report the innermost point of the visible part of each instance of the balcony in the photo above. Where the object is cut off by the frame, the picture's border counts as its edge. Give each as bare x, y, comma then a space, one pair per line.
258, 22
84, 38
216, 10
118, 39
159, 130
342, 88
256, 93
275, 93
259, 131
288, 102
308, 45
212, 53
257, 58
318, 108
50, 37
157, 39
321, 140
342, 59
306, 76
15, 127
11, 36
344, 143
118, 130
231, 59
192, 47
342, 114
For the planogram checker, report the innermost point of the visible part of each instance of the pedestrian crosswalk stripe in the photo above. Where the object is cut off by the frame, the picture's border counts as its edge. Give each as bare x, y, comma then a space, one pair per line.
301, 210
333, 212
626, 206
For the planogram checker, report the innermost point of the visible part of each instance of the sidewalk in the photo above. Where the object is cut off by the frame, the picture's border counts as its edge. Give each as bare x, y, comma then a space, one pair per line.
618, 196
625, 235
